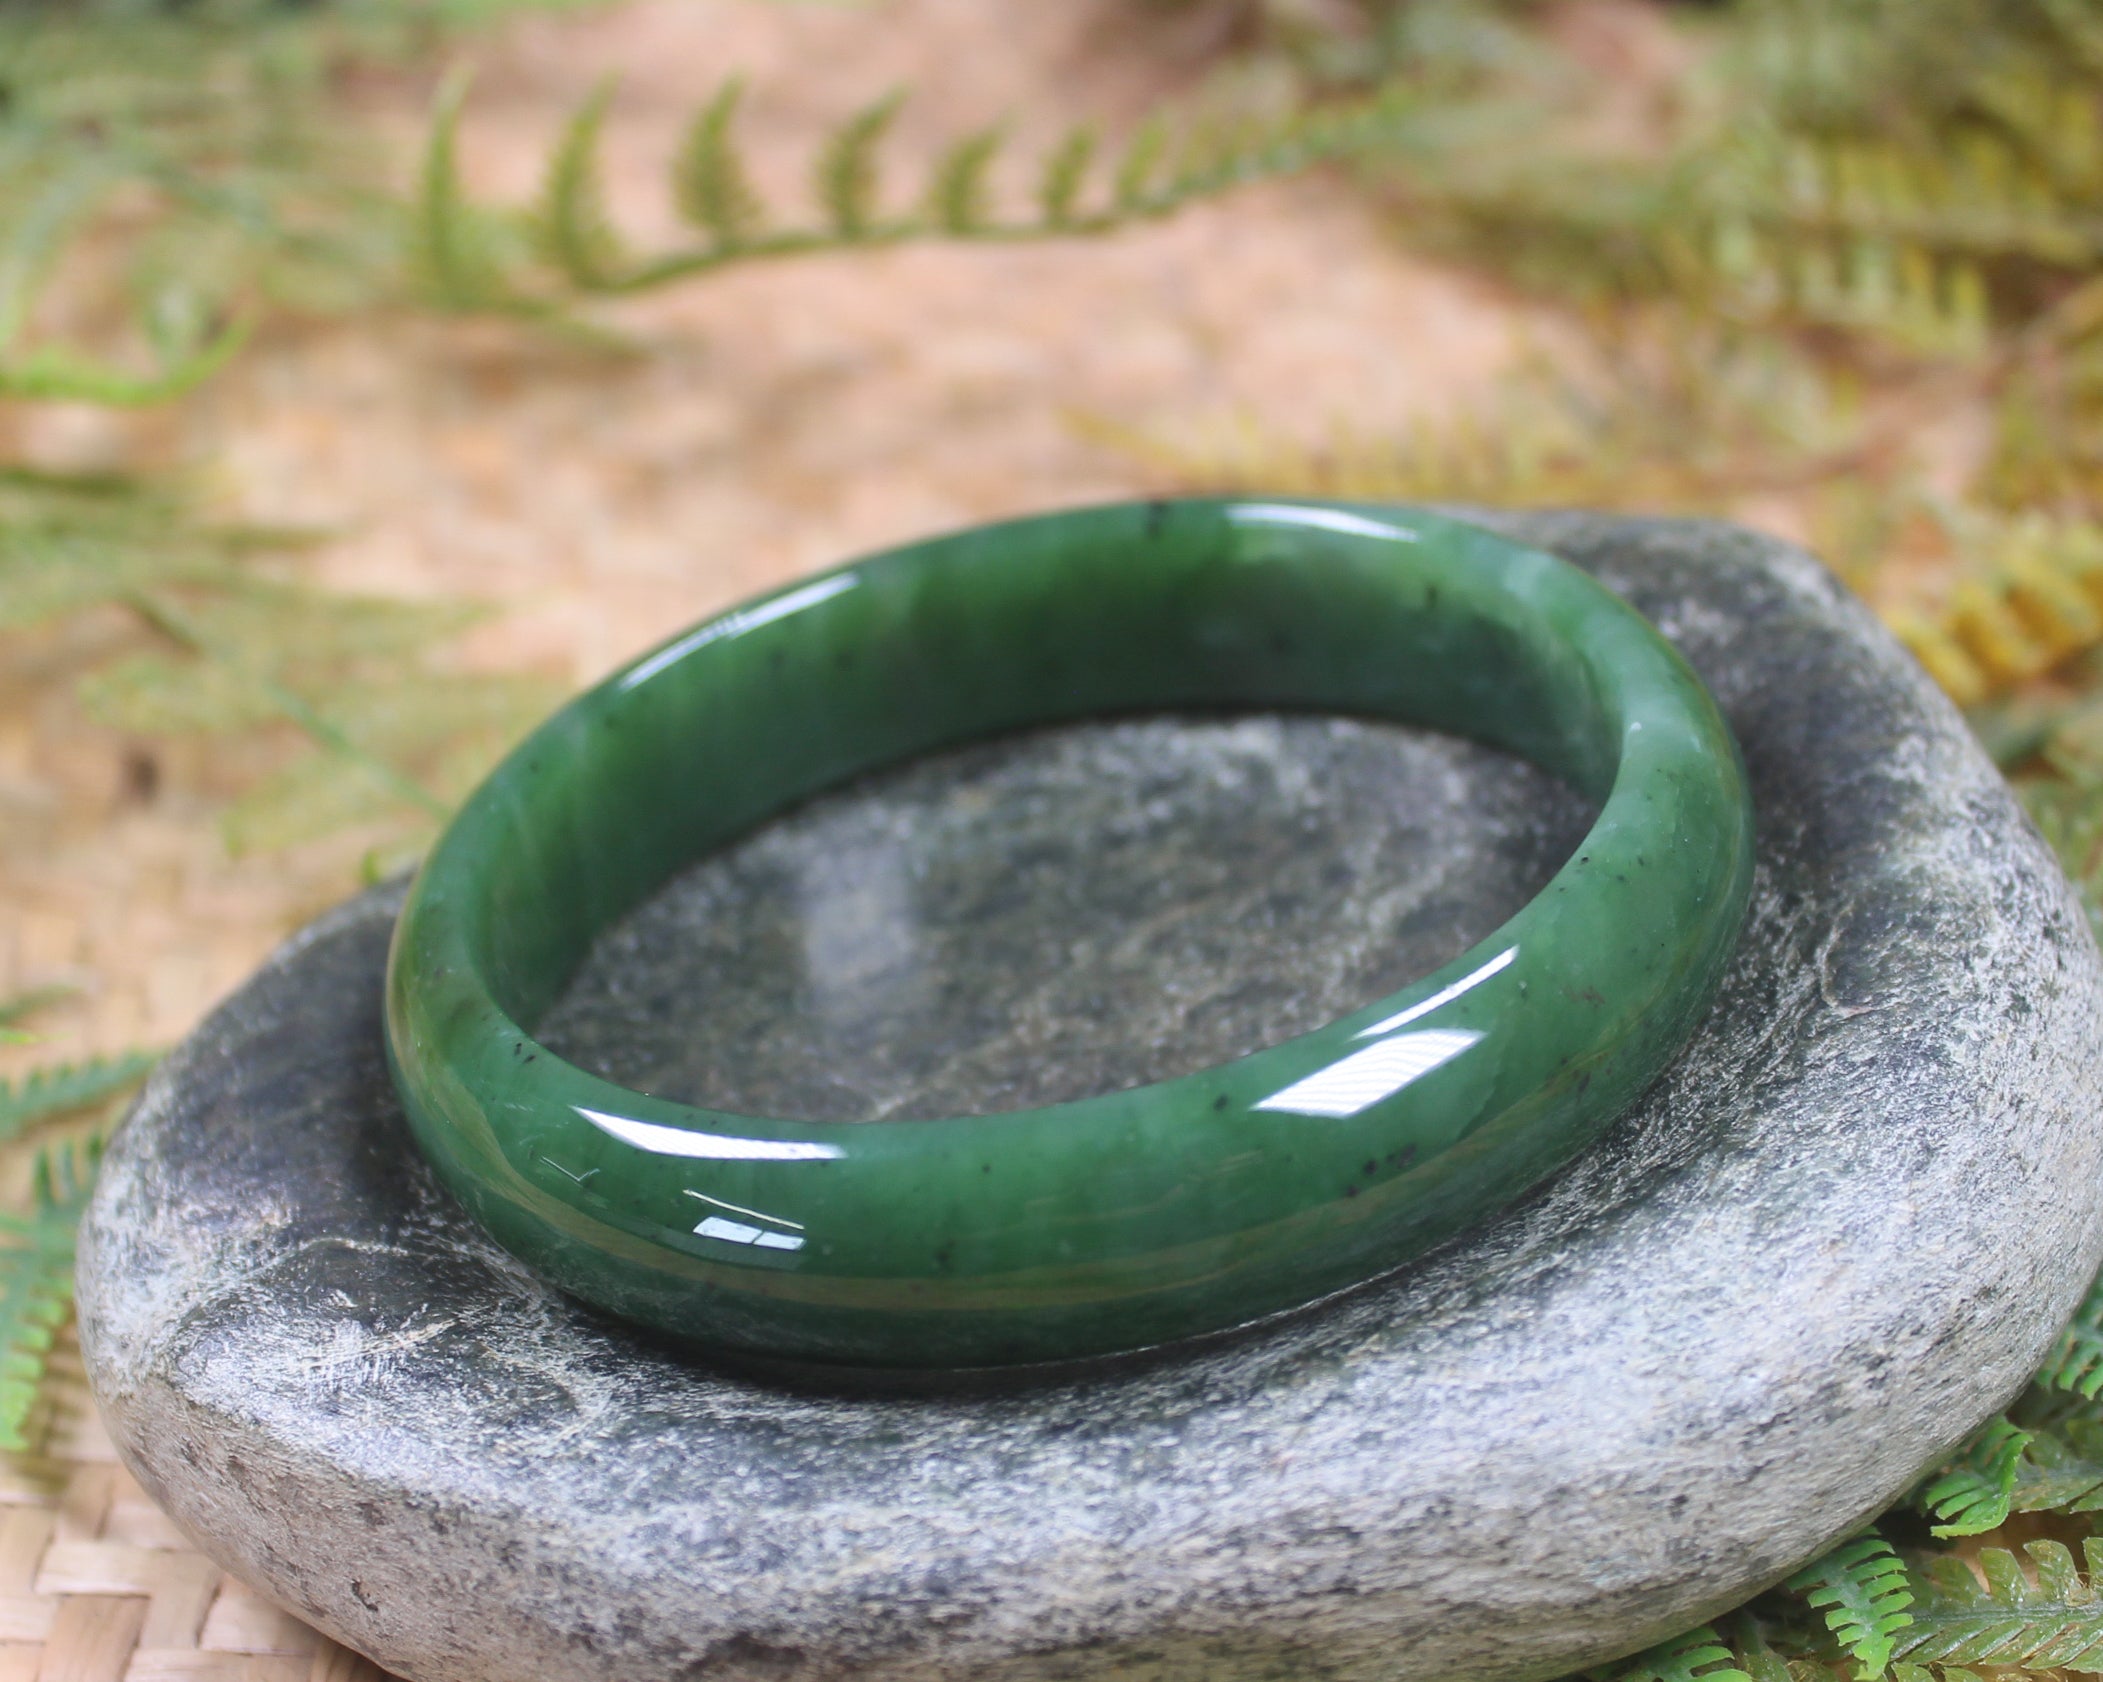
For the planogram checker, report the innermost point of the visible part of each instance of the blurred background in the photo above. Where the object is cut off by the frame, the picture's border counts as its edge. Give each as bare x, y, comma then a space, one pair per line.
374, 373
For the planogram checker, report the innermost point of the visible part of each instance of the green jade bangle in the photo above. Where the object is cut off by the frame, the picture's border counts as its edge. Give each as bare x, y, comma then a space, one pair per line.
1133, 1218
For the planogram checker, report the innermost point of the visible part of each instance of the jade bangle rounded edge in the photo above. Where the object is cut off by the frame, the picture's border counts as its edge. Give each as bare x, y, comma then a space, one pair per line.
1137, 1217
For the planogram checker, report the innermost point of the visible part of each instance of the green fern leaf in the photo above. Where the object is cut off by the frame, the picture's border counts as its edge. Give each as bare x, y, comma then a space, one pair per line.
956, 198
164, 695
1136, 170
1697, 1656
294, 628
27, 1004
68, 551
36, 1280
573, 228
51, 374
1065, 174
314, 796
446, 728
46, 1093
1862, 1590
848, 178
710, 182
2062, 1470
2054, 1623
453, 255
37, 233
2076, 1363
1210, 160
1972, 1495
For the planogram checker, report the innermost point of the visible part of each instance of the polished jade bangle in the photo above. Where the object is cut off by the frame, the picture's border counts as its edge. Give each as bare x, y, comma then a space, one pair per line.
1137, 1217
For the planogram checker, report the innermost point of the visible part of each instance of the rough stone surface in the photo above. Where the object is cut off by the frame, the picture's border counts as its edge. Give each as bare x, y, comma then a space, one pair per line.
1031, 921
1836, 1235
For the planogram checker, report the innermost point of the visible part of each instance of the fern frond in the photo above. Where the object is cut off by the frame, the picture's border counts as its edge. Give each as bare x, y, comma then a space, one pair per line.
1923, 197
2052, 1623
1065, 175
51, 374
36, 1280
2062, 1470
956, 197
14, 1010
710, 182
467, 265
2070, 817
37, 233
1697, 1656
1973, 1494
573, 227
1134, 178
75, 549
162, 695
1861, 1588
847, 175
30, 1003
1682, 420
453, 253
222, 649
44, 1094
447, 729
165, 614
2076, 1361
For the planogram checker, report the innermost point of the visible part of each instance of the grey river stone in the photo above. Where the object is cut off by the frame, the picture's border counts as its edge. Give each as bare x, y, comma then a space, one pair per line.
1834, 1237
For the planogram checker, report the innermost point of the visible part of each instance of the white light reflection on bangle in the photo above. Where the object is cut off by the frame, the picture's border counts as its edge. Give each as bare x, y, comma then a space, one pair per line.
660, 1140
1445, 995
738, 1232
1364, 1078
738, 623
1322, 519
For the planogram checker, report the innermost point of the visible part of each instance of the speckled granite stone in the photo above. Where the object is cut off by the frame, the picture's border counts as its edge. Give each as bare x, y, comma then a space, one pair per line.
1835, 1236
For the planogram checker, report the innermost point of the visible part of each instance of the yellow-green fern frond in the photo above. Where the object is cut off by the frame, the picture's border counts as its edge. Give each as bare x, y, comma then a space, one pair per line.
468, 258
573, 228
710, 181
2062, 1469
45, 1094
957, 196
457, 259
1064, 177
2047, 1618
341, 696
2030, 598
20, 1007
2076, 1361
51, 374
36, 1279
848, 175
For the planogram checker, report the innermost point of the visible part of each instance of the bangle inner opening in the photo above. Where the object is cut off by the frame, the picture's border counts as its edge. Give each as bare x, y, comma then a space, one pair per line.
1063, 912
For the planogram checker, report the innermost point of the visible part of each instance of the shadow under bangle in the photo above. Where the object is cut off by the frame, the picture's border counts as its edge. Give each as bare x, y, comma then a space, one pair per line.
1136, 1217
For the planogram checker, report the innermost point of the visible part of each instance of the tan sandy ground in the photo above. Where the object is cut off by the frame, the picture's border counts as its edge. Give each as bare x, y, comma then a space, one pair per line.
783, 418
